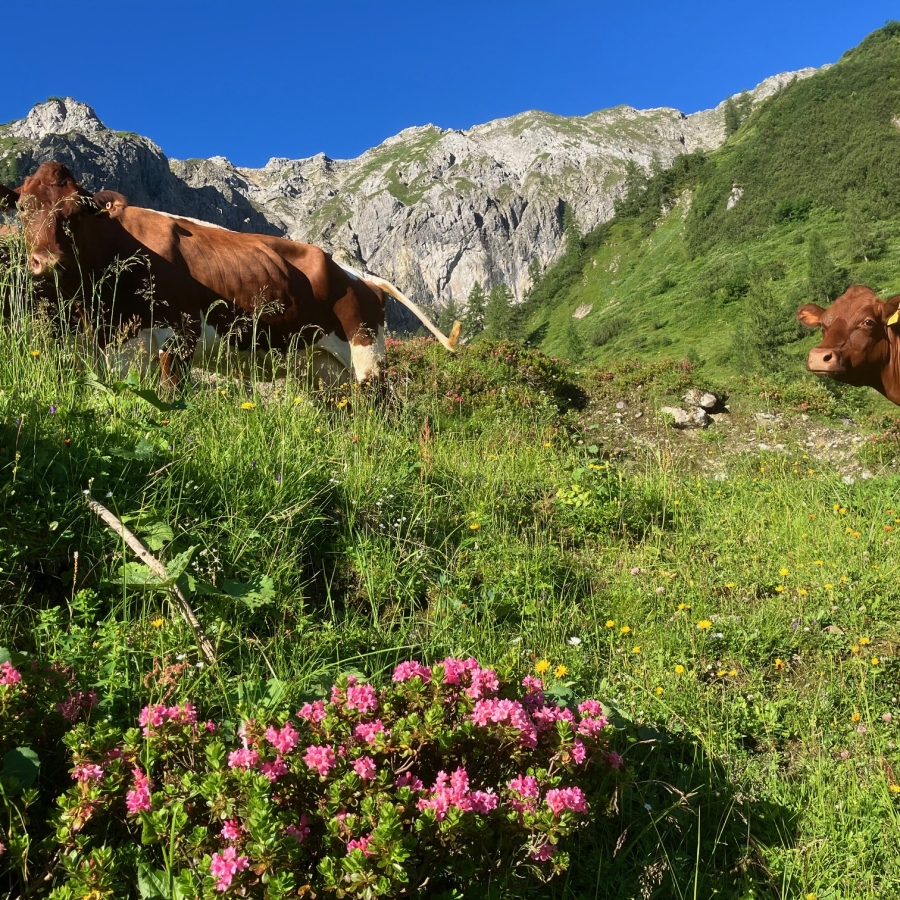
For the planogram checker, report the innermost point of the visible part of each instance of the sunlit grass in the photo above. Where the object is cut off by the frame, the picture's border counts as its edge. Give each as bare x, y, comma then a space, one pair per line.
743, 626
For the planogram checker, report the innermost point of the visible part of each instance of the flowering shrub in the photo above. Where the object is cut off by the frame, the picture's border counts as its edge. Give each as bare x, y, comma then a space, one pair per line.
435, 782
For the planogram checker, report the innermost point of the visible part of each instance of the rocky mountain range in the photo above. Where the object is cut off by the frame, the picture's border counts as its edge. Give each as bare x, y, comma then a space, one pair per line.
433, 210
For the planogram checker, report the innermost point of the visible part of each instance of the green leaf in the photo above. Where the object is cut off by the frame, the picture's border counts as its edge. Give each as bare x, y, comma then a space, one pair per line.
152, 884
139, 577
155, 533
5, 655
22, 764
154, 400
259, 591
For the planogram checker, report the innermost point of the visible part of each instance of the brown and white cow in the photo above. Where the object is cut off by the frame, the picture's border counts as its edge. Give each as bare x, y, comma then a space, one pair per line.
197, 281
860, 341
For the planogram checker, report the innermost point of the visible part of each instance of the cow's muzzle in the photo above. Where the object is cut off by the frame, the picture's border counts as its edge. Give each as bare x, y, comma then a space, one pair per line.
42, 263
826, 362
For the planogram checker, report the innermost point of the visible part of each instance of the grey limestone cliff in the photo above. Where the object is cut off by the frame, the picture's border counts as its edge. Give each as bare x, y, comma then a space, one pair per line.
433, 210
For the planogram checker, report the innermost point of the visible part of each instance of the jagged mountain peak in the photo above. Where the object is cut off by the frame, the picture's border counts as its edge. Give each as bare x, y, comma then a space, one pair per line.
434, 210
58, 115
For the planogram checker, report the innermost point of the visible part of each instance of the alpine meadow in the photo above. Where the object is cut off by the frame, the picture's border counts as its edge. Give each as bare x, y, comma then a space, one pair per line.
604, 604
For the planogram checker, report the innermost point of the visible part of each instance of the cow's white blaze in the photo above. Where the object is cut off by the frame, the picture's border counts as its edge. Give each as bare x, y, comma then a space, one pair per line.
368, 358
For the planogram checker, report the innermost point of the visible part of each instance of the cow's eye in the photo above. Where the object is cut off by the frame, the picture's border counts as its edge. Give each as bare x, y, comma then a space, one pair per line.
869, 323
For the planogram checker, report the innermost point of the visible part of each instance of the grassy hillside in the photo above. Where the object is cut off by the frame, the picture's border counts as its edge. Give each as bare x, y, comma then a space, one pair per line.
678, 272
729, 596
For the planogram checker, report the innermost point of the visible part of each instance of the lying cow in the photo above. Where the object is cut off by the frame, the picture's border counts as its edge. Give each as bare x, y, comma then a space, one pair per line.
860, 341
192, 283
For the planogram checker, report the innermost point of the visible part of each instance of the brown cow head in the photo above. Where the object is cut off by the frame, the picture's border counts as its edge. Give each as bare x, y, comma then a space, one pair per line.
856, 338
52, 203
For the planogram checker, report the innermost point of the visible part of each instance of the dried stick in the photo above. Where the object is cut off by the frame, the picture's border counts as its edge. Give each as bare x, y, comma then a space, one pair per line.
158, 569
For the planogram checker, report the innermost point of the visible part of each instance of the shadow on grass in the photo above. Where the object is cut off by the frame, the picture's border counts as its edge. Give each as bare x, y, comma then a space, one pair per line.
681, 829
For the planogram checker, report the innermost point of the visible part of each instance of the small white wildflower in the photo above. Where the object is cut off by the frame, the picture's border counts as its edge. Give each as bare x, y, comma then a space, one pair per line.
574, 641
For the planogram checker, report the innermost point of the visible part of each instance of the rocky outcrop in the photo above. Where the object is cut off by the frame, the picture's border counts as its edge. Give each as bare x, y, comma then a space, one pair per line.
432, 210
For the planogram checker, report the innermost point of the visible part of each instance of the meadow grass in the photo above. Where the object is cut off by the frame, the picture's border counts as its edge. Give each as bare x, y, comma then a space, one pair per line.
741, 624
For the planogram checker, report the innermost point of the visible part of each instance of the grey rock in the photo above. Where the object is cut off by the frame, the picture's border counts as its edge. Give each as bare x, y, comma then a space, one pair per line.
621, 405
703, 399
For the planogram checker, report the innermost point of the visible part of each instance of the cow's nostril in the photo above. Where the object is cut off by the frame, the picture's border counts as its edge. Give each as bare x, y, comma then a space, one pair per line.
826, 357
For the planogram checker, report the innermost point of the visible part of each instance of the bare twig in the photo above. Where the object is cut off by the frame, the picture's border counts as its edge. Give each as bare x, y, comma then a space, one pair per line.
158, 569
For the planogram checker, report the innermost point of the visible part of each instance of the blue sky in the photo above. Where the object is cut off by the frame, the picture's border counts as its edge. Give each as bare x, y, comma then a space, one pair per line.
254, 80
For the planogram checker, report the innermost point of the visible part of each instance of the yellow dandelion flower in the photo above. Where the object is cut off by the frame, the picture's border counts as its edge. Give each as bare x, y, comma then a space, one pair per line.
683, 606
298, 399
779, 588
158, 622
732, 673
829, 587
720, 673
547, 443
857, 534
248, 404
810, 896
875, 661
844, 579
843, 510
610, 623
625, 629
864, 641
474, 526
729, 585
856, 717
542, 666
635, 649
848, 530
223, 392
679, 669
783, 572
560, 671
704, 624
779, 664
819, 562
894, 788
803, 592
854, 648
35, 353
837, 506
658, 690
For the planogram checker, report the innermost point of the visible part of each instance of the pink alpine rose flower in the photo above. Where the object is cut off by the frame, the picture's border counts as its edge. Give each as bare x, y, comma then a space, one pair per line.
225, 865
243, 759
322, 759
283, 740
572, 798
365, 768
313, 712
138, 798
8, 674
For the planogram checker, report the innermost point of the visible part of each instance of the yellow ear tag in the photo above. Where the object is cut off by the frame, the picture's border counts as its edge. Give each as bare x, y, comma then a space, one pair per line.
894, 319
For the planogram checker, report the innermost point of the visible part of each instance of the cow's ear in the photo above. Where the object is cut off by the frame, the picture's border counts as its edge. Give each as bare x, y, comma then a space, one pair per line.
8, 198
810, 314
111, 203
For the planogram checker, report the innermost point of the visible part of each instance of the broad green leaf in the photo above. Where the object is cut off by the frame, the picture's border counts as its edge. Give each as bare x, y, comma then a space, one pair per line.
155, 401
260, 591
152, 884
139, 577
156, 534
23, 764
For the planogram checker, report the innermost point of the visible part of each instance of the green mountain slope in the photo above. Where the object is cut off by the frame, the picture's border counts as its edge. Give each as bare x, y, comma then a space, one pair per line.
711, 258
